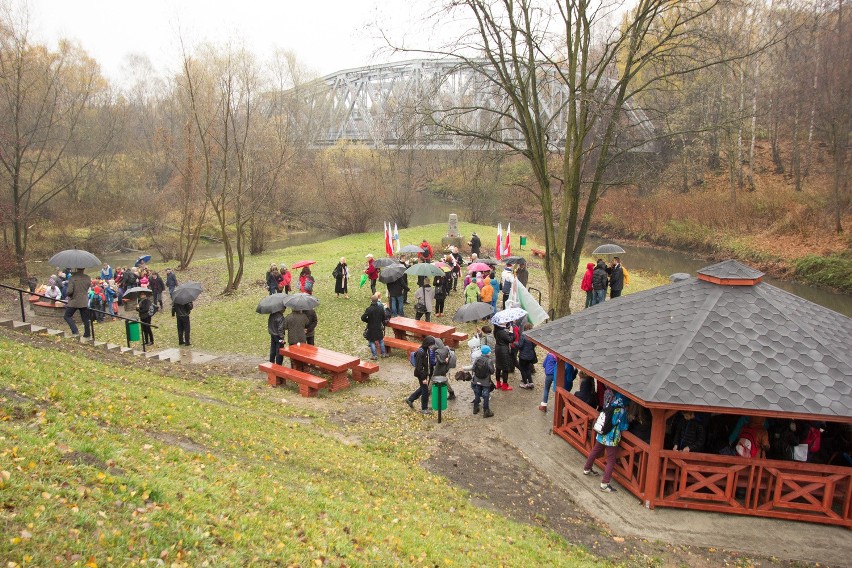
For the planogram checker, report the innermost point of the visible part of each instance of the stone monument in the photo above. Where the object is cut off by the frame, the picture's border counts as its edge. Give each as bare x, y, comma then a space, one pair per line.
454, 237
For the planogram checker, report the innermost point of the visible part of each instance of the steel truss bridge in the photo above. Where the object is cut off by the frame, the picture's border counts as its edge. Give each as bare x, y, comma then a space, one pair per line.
400, 105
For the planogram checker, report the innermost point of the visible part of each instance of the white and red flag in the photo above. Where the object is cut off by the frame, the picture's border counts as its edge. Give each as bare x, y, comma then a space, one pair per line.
507, 249
388, 243
499, 247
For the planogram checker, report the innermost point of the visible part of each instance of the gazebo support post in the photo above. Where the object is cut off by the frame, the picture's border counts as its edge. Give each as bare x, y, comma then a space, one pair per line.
560, 372
658, 436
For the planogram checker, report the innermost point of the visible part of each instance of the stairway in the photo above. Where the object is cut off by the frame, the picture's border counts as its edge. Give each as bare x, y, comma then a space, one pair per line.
169, 354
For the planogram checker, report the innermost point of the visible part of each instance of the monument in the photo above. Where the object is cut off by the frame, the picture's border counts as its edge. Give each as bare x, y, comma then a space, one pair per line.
454, 237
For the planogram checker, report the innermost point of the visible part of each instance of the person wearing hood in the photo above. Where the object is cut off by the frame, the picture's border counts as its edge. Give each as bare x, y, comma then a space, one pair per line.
600, 282
586, 284
609, 442
442, 365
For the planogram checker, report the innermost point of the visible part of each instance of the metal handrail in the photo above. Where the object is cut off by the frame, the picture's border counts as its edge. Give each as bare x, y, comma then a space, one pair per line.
127, 321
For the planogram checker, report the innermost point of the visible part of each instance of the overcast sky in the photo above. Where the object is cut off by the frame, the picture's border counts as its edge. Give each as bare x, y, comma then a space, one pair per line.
326, 35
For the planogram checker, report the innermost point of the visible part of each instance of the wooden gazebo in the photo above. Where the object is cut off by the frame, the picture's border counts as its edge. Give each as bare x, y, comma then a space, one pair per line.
722, 342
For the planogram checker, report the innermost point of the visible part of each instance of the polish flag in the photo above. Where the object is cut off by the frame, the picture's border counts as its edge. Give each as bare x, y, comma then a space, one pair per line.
388, 245
507, 250
499, 247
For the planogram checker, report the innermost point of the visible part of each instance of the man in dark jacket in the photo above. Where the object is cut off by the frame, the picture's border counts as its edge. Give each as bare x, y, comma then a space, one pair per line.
475, 244
482, 370
616, 278
275, 326
155, 283
296, 324
171, 281
600, 281
421, 373
78, 300
181, 312
396, 293
311, 328
374, 317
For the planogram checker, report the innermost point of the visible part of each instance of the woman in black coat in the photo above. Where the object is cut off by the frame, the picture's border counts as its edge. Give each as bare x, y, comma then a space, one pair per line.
503, 359
374, 317
144, 309
341, 278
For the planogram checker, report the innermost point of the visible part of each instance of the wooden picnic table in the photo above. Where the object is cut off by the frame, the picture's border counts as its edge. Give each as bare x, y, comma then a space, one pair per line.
335, 364
403, 327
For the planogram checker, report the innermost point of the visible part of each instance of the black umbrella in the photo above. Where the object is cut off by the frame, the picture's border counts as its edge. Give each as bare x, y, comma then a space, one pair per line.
410, 249
514, 260
272, 303
135, 291
488, 261
392, 273
74, 258
608, 249
473, 312
386, 261
186, 293
301, 301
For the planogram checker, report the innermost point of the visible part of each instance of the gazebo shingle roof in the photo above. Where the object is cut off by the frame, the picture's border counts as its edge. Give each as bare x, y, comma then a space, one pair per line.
699, 343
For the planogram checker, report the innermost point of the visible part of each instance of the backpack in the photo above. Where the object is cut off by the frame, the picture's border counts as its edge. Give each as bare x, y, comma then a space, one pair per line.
153, 309
309, 284
451, 363
626, 276
480, 368
603, 423
412, 358
386, 318
747, 445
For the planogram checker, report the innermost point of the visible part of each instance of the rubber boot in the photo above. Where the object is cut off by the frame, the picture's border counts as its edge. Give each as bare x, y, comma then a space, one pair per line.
506, 387
499, 386
476, 409
487, 413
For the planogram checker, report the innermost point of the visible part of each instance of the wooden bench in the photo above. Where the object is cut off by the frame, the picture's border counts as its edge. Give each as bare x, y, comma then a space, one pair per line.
404, 344
363, 371
278, 374
538, 253
456, 338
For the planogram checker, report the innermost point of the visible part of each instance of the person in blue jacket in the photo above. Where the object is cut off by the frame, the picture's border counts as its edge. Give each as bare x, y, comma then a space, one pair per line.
550, 379
609, 442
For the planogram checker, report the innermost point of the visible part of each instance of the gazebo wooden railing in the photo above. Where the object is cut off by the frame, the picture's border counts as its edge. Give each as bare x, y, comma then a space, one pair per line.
573, 422
730, 484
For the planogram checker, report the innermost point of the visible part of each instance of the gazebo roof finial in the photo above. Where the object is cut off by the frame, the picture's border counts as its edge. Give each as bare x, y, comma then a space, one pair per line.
730, 273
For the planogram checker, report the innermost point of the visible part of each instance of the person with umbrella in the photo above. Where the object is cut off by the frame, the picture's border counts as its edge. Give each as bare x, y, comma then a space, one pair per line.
181, 312
296, 325
146, 310
396, 291
275, 326
616, 278
424, 301
341, 278
77, 294
503, 339
440, 285
306, 281
374, 317
600, 281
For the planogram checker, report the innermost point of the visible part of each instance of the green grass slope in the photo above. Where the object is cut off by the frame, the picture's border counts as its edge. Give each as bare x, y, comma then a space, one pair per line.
110, 465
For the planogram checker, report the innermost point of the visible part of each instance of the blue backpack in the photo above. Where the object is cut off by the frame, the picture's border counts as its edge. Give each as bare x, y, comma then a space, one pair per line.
413, 360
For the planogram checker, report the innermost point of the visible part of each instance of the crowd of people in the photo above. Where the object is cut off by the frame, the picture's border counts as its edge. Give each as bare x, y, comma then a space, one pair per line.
100, 297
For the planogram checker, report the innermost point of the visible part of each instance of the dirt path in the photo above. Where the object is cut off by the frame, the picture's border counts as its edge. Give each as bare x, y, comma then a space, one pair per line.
468, 450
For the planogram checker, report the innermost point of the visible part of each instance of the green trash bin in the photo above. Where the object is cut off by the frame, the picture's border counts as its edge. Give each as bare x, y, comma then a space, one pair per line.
523, 240
134, 331
439, 393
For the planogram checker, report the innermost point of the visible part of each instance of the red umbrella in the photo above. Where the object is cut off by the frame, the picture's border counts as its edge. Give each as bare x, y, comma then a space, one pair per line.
302, 263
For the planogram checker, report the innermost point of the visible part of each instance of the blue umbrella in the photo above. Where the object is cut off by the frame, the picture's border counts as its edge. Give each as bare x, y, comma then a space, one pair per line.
146, 258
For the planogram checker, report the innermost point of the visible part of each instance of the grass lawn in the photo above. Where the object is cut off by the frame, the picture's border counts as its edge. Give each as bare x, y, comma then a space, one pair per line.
229, 324
109, 465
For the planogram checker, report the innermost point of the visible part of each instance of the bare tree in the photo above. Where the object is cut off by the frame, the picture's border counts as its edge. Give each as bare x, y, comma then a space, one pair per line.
530, 45
45, 99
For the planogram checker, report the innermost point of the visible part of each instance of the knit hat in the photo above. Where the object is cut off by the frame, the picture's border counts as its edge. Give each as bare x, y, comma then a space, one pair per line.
485, 350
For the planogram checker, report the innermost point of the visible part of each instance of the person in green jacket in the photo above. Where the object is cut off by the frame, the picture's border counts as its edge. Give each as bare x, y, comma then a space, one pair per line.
471, 292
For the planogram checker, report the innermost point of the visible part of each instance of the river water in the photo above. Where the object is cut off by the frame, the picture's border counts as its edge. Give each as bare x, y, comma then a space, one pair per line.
645, 258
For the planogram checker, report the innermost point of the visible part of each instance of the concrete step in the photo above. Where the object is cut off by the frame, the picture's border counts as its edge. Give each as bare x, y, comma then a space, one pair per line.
56, 333
21, 326
99, 343
112, 347
126, 349
38, 329
6, 322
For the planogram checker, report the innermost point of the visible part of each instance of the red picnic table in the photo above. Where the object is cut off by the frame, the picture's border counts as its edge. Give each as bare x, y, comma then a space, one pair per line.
403, 327
335, 364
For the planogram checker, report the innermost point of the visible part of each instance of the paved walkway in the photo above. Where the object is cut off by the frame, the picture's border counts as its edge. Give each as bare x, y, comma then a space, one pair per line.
529, 431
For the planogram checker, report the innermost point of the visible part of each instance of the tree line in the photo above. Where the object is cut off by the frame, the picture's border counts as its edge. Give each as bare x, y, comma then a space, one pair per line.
218, 146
